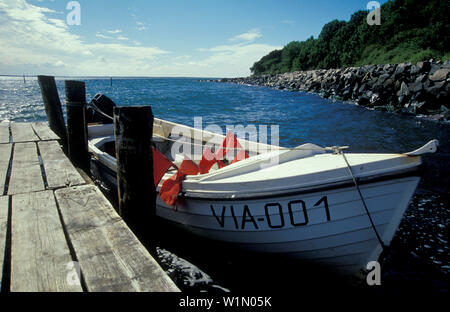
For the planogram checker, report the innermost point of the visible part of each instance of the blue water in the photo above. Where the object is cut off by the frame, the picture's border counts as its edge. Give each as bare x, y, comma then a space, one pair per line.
301, 117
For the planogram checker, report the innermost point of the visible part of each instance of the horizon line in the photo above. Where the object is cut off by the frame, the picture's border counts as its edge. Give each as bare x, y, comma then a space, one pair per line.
108, 77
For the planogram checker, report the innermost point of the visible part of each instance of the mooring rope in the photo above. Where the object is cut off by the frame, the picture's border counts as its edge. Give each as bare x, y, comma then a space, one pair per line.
95, 108
363, 201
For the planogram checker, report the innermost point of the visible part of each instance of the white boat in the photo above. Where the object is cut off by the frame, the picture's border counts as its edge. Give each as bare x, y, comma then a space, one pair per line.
304, 206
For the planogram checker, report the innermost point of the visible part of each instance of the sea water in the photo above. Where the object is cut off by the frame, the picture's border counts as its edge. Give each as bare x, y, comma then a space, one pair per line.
419, 250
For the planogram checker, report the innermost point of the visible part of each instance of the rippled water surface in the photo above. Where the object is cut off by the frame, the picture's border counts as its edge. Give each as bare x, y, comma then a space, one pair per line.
420, 249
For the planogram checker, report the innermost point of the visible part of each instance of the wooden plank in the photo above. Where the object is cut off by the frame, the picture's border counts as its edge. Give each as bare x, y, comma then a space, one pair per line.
43, 131
58, 169
23, 132
110, 255
3, 226
4, 132
5, 154
26, 173
40, 256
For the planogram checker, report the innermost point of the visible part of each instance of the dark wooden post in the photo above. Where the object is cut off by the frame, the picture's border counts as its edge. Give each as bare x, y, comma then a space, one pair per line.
133, 130
76, 123
53, 108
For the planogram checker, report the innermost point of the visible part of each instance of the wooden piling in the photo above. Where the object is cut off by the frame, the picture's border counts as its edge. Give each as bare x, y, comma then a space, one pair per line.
133, 129
53, 108
76, 123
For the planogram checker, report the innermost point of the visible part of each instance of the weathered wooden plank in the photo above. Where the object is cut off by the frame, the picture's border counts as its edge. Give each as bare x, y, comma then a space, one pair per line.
43, 131
40, 256
4, 132
26, 173
5, 154
110, 255
58, 169
23, 132
3, 226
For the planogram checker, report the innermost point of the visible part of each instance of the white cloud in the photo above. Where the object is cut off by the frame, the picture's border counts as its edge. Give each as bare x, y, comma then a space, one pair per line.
114, 31
141, 26
250, 35
288, 22
36, 44
231, 60
99, 35
33, 43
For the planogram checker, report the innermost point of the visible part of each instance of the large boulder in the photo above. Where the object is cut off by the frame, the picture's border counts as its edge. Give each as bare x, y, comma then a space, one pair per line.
414, 70
415, 87
404, 90
401, 69
439, 75
383, 78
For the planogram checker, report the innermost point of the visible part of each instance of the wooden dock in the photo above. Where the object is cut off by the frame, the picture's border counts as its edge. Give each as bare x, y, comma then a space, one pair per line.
58, 233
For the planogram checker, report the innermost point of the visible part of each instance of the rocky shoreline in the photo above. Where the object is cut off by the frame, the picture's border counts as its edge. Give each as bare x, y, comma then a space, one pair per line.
416, 89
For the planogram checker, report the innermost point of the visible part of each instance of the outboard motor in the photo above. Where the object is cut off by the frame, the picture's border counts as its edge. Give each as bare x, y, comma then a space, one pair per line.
104, 104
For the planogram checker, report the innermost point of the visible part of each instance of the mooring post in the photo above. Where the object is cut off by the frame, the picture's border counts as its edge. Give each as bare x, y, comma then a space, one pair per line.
76, 123
133, 130
53, 108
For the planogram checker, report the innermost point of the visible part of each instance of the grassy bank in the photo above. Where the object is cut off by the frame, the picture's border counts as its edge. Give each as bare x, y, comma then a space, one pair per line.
410, 31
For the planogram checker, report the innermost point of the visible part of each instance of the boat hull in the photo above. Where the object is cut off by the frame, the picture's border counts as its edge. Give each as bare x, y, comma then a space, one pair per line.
328, 227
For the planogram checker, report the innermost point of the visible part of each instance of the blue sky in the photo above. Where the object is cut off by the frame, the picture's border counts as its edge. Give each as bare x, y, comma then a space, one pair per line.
156, 38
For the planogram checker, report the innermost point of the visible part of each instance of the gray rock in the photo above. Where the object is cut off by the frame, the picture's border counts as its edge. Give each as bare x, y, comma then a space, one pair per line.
415, 87
434, 68
362, 88
439, 75
371, 69
414, 70
387, 67
389, 83
383, 78
403, 90
440, 84
421, 78
399, 70
434, 90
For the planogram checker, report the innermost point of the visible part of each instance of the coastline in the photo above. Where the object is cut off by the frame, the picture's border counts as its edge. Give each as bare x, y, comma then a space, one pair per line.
413, 89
